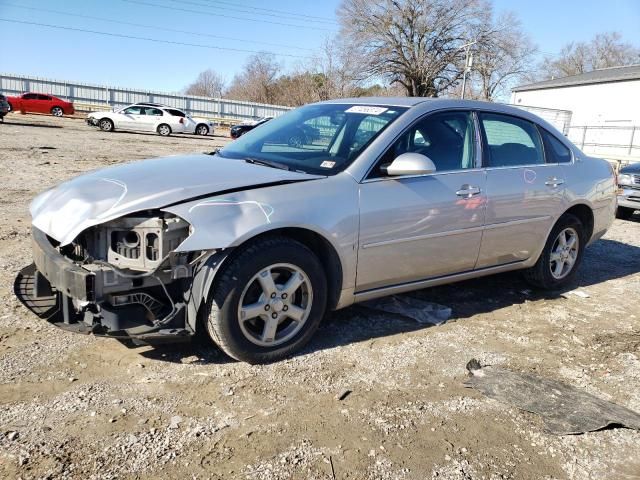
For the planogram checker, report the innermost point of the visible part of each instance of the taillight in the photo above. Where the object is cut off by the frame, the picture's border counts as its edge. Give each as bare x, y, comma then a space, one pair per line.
181, 120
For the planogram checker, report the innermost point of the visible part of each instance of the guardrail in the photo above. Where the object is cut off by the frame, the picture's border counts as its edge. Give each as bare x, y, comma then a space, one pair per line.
95, 97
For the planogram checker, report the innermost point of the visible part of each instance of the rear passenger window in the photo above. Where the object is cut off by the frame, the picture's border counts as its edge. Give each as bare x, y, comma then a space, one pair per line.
555, 150
152, 111
510, 141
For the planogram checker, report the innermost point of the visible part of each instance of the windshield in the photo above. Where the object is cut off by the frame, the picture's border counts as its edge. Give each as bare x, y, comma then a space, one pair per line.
320, 138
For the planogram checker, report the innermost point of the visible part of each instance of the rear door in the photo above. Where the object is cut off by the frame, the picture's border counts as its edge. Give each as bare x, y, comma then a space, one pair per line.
525, 192
44, 104
149, 119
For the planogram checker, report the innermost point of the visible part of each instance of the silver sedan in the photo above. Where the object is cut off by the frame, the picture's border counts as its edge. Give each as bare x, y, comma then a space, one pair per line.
257, 241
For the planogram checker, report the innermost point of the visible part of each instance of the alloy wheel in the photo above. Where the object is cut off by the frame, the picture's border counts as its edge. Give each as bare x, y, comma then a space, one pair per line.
275, 305
564, 253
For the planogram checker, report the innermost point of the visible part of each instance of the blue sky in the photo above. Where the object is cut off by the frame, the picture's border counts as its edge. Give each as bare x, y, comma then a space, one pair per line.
72, 55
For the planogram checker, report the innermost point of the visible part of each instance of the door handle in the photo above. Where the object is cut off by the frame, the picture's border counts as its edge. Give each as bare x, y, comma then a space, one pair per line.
468, 191
554, 182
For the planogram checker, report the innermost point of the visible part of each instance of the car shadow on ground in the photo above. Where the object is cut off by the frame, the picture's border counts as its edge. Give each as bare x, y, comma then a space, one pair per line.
604, 260
21, 124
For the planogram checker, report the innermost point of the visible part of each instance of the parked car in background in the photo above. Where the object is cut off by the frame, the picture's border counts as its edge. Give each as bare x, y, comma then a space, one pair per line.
4, 107
195, 125
255, 242
148, 117
41, 103
629, 191
244, 127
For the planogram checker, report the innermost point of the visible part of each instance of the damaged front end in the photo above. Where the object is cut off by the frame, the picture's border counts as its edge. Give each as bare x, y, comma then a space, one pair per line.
120, 279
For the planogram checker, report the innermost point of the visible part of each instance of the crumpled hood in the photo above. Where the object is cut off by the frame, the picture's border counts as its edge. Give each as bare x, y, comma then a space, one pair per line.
97, 197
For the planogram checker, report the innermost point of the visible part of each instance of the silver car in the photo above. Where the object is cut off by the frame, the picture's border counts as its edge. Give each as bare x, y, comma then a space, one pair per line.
257, 241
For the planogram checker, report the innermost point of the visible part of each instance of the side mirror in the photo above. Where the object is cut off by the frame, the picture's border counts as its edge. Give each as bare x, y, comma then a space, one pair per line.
411, 164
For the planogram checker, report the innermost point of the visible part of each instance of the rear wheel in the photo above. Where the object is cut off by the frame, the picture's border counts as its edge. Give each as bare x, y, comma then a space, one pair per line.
268, 301
164, 130
106, 125
624, 213
57, 111
10, 106
559, 261
202, 129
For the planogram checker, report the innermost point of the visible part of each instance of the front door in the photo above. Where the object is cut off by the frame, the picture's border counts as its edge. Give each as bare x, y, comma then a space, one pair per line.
524, 191
129, 118
419, 227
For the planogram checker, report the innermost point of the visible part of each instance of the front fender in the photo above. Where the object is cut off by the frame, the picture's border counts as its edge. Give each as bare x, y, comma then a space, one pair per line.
327, 207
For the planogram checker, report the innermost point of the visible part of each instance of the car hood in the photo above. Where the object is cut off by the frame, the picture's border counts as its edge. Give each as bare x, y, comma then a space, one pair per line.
633, 168
97, 197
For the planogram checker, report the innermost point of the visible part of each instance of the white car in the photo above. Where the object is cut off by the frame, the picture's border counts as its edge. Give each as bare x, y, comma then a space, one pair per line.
148, 117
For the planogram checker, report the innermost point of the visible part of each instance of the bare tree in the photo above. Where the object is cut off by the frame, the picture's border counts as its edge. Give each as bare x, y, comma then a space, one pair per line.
503, 56
603, 51
257, 81
208, 84
416, 43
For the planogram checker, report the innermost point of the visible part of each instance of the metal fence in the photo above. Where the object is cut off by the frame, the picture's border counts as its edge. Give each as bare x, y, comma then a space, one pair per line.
607, 141
90, 97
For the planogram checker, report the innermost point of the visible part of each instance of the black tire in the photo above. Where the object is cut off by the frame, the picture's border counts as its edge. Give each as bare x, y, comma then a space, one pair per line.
202, 129
105, 124
624, 213
10, 107
57, 111
163, 130
221, 313
540, 274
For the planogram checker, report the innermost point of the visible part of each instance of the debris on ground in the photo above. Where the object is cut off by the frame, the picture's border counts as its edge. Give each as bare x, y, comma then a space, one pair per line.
565, 409
419, 310
577, 293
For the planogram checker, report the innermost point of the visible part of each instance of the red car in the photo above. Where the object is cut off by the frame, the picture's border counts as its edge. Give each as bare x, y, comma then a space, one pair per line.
41, 103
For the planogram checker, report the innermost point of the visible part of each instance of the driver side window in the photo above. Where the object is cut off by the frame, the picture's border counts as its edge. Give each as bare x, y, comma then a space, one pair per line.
447, 138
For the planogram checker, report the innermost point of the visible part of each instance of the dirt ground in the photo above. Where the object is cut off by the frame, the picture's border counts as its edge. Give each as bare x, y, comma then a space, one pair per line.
82, 407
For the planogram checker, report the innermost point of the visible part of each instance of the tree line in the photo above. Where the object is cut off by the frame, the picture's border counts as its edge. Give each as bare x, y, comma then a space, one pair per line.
415, 48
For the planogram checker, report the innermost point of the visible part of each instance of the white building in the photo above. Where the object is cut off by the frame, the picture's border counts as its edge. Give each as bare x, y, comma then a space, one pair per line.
604, 106
610, 96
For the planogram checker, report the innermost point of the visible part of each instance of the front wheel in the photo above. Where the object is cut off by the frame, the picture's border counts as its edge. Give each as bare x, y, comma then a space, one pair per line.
57, 111
559, 261
202, 130
624, 213
106, 125
164, 130
268, 301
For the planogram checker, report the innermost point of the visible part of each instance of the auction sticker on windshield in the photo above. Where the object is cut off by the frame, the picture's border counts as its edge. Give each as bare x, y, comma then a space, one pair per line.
366, 110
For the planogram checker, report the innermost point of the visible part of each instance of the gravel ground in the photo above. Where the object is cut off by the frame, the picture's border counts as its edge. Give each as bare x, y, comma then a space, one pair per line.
83, 407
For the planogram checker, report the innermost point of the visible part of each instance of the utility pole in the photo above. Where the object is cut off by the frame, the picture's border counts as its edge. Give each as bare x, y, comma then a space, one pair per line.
468, 62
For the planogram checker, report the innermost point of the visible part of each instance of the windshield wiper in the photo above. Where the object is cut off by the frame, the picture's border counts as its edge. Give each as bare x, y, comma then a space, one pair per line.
267, 163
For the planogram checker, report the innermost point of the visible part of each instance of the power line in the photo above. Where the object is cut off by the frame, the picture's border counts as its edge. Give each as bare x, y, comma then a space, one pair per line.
199, 12
148, 39
155, 27
274, 10
267, 12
